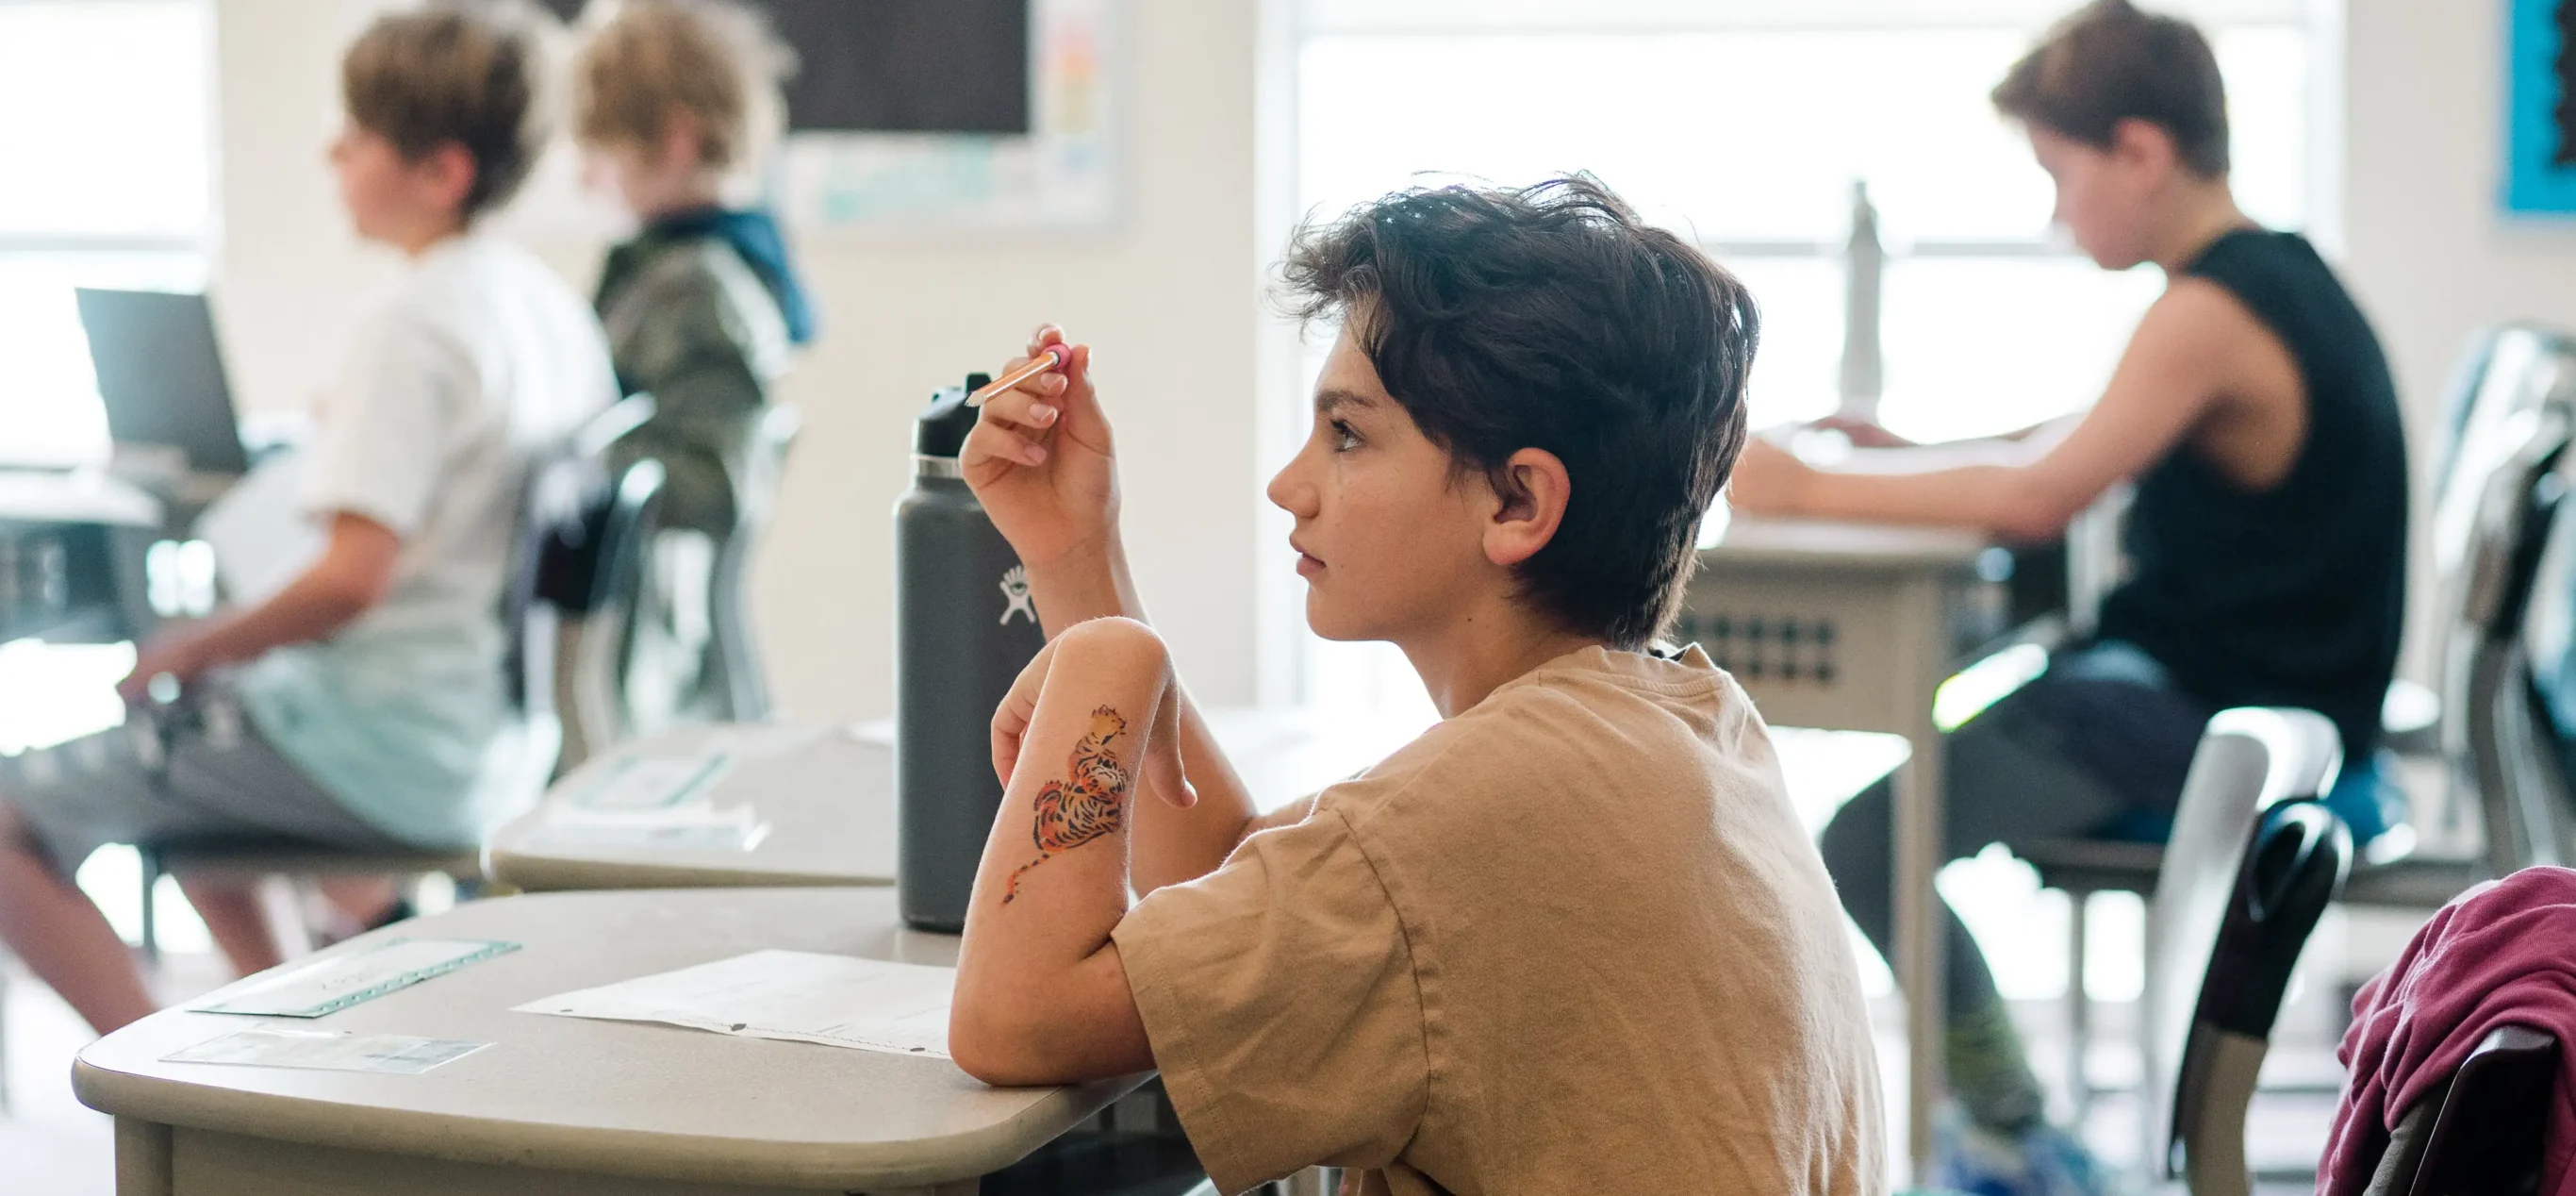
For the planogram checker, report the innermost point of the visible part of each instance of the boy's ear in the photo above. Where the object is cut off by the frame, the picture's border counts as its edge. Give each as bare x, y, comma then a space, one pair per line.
1531, 490
448, 171
681, 141
2137, 142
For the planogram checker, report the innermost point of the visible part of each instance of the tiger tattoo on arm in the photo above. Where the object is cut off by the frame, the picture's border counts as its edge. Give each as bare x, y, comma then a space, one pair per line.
1090, 805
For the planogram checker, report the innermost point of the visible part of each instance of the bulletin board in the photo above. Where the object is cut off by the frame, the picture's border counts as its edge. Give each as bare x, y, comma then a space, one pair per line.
1059, 174
908, 66
2540, 122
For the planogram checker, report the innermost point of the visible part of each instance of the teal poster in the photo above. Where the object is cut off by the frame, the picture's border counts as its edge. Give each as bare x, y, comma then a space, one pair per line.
2540, 120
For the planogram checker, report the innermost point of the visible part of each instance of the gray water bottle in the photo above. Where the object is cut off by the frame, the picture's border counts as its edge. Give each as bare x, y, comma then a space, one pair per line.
964, 628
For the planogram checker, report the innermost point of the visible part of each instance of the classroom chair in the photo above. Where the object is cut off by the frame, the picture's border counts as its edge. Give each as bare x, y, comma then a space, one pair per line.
2249, 760
577, 533
604, 696
2506, 575
2494, 516
744, 677
2256, 857
2482, 1130
2413, 724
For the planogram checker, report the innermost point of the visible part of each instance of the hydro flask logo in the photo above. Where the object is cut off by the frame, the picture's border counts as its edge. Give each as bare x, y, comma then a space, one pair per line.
1015, 590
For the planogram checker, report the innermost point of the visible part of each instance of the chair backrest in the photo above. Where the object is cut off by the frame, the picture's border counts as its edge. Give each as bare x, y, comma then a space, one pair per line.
745, 677
764, 464
576, 545
594, 674
2494, 523
2234, 902
2482, 1130
2461, 394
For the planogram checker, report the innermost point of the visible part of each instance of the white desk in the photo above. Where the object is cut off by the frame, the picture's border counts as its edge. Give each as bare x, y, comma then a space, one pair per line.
826, 793
72, 551
1843, 625
566, 1107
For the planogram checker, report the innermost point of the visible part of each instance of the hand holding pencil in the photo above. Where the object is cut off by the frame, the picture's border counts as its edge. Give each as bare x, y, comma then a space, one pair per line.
1041, 459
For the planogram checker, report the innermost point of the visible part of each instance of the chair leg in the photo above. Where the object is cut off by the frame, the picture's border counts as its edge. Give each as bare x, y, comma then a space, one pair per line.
2079, 1007
151, 928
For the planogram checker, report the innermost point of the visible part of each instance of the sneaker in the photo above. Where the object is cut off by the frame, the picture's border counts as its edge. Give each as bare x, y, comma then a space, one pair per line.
2044, 1161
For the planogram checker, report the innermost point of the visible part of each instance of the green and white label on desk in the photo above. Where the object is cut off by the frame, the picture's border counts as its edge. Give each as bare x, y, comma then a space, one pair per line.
322, 1050
638, 783
330, 985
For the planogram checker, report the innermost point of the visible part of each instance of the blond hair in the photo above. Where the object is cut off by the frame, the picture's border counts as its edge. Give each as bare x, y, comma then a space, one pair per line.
468, 72
716, 61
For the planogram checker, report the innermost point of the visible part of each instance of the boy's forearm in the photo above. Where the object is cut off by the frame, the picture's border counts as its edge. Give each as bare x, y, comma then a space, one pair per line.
1038, 992
306, 610
1174, 845
1987, 498
1171, 845
1084, 585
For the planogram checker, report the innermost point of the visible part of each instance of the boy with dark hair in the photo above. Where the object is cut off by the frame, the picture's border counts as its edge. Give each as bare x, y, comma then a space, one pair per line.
2254, 411
1572, 938
362, 705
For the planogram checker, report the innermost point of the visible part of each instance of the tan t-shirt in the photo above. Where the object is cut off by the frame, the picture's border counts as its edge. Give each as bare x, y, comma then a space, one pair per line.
1572, 940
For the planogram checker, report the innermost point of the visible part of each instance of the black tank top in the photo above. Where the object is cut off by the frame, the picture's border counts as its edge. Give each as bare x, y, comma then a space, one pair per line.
2292, 596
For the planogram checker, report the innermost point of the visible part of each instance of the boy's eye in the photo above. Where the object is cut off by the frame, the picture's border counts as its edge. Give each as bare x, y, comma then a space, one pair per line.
1345, 438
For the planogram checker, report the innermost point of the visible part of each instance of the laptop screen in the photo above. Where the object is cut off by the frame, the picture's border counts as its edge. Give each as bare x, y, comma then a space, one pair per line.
161, 376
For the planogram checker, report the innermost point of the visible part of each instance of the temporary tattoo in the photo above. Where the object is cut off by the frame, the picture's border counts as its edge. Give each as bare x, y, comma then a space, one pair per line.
1093, 804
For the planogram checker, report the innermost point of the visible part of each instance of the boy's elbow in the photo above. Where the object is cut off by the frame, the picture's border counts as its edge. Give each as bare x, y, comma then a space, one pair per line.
2030, 513
1114, 634
344, 595
999, 1046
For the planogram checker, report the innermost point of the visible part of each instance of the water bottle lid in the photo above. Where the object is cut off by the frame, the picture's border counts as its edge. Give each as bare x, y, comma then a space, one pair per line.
941, 428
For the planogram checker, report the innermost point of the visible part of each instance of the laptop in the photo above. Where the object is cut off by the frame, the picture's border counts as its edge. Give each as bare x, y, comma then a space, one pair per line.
161, 376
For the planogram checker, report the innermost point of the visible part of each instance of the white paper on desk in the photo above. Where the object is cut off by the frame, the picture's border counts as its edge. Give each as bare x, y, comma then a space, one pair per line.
864, 1004
340, 981
737, 829
322, 1050
652, 803
261, 534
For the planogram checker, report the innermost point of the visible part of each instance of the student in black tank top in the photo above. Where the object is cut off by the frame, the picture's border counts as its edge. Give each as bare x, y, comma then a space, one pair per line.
2254, 413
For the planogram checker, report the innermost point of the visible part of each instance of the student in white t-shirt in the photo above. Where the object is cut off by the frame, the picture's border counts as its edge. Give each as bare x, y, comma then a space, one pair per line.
362, 705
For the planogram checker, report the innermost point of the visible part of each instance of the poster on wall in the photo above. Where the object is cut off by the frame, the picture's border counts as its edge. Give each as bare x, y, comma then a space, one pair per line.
1060, 174
2540, 122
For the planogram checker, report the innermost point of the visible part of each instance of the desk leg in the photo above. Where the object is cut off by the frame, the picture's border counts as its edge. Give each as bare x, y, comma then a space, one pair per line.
1918, 820
142, 1158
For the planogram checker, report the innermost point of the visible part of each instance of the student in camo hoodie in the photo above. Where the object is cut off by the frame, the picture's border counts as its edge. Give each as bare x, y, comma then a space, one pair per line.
676, 103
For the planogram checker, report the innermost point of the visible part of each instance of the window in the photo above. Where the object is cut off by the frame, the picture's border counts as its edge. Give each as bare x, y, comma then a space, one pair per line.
1746, 125
110, 159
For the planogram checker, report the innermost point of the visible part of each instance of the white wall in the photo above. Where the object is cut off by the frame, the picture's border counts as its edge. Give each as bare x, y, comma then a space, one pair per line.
1170, 296
2426, 248
2426, 244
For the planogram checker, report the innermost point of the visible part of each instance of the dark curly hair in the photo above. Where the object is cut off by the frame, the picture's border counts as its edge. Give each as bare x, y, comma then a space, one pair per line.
1551, 317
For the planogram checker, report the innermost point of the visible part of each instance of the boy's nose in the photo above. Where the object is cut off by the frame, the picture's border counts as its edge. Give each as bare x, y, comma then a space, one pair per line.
1289, 495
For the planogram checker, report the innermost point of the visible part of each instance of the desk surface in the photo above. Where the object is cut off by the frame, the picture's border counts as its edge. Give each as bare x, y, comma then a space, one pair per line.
612, 1098
828, 795
77, 496
1842, 545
